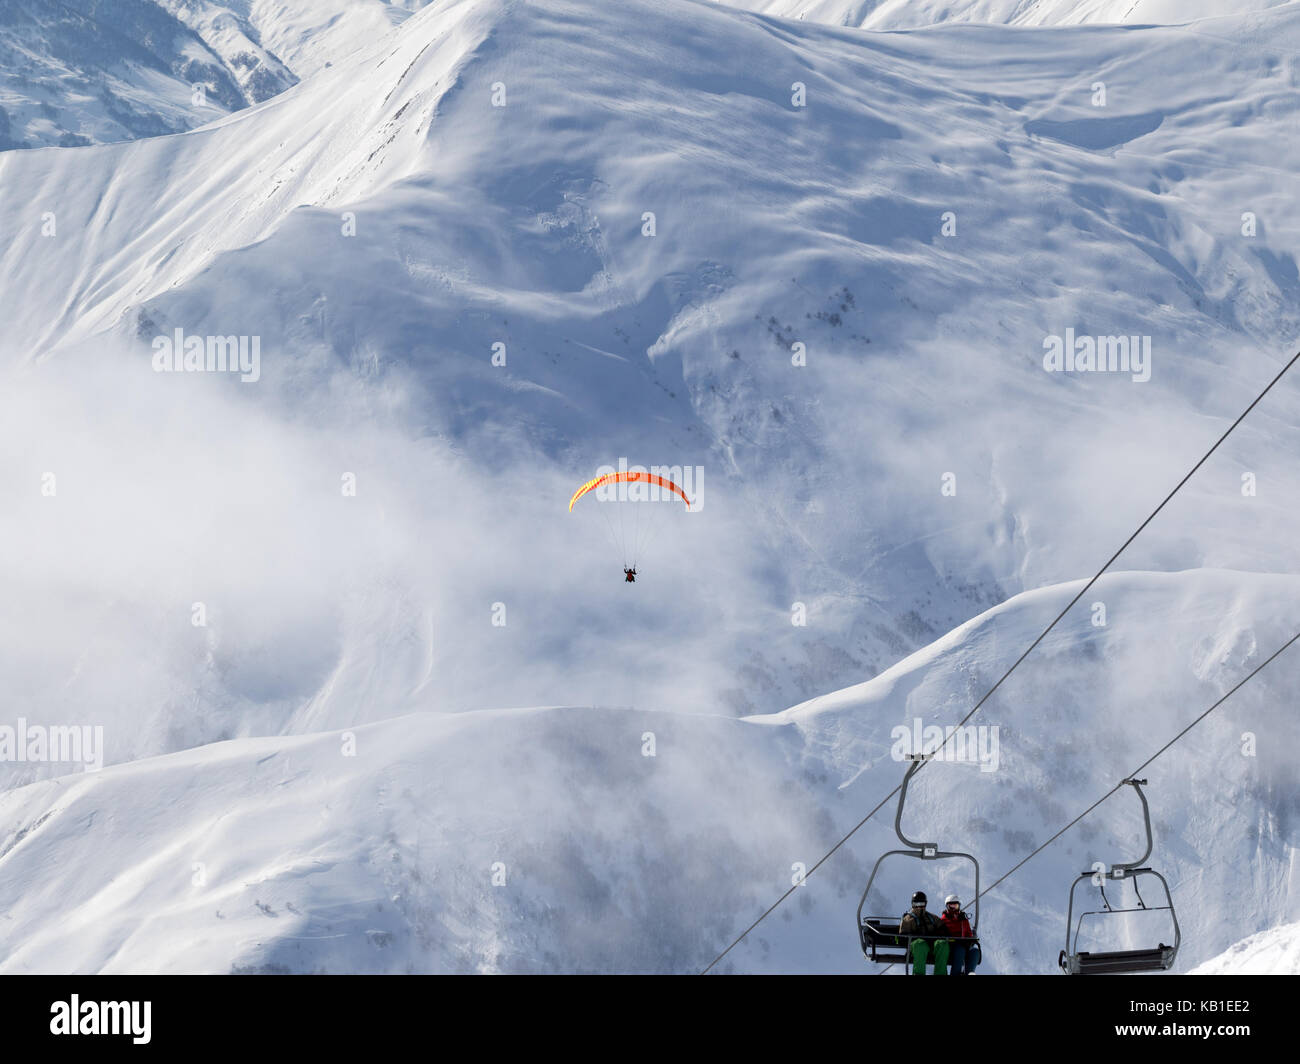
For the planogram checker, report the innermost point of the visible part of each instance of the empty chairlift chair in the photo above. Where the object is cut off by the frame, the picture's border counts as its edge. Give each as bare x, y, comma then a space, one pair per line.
881, 936
1117, 962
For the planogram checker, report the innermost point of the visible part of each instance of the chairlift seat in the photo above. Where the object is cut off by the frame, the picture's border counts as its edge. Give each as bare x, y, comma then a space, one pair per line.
880, 937
1120, 962
884, 941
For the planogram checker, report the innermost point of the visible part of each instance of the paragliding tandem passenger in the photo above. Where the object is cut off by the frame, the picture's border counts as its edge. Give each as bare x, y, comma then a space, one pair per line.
629, 575
965, 956
923, 950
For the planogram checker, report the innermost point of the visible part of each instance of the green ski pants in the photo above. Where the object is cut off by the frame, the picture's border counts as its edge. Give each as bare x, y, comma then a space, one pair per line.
921, 952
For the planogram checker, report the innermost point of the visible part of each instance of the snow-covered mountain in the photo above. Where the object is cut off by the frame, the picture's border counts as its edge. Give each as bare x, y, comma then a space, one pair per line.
655, 232
81, 71
78, 72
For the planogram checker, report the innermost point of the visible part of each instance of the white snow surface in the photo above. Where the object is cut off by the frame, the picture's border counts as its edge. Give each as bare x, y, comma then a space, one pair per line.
911, 14
1272, 952
199, 586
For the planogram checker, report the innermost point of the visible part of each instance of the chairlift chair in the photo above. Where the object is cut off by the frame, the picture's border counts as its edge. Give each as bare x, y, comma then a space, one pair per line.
882, 939
1117, 962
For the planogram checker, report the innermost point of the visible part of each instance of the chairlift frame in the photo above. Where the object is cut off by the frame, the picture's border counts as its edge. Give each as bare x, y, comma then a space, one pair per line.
882, 938
1119, 962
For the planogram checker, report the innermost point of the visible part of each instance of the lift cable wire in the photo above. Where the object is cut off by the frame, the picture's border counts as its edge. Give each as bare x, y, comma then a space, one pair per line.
1083, 591
1133, 775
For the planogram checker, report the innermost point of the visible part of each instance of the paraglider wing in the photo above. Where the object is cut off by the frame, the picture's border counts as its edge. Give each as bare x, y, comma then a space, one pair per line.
614, 478
591, 485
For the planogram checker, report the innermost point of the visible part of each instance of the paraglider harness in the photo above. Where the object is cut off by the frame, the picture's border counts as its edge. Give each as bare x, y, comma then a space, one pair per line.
630, 575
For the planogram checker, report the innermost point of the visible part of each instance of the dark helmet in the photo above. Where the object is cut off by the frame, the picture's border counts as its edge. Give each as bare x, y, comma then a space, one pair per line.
918, 898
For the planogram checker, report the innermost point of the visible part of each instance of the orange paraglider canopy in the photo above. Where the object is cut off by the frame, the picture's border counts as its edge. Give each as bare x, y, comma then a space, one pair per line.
628, 477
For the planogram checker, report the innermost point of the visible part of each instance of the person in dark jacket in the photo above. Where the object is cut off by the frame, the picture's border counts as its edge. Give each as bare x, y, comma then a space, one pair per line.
965, 956
630, 575
923, 950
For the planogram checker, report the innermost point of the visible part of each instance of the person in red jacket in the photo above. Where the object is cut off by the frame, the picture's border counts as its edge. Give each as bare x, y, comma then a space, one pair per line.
963, 956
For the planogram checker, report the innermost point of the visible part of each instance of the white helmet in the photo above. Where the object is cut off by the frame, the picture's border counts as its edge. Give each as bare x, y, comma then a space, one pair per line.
951, 898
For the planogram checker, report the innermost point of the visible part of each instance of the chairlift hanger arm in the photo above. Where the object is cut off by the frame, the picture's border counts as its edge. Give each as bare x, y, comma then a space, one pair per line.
1146, 821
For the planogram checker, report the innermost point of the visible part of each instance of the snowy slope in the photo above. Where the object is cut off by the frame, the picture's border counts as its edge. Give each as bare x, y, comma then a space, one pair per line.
1273, 952
383, 862
302, 36
911, 14
77, 73
84, 72
293, 854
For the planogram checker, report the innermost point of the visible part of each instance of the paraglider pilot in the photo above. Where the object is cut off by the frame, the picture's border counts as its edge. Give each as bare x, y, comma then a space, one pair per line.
630, 575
